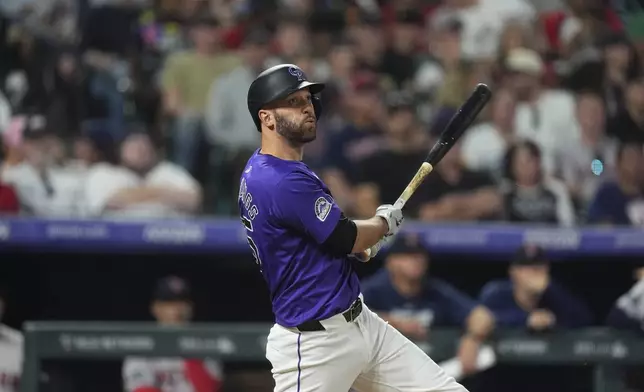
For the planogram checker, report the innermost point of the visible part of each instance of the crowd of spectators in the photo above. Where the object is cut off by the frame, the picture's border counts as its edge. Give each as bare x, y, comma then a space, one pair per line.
560, 143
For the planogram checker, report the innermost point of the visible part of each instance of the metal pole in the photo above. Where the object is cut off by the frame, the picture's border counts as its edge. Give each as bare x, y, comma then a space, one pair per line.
30, 378
607, 378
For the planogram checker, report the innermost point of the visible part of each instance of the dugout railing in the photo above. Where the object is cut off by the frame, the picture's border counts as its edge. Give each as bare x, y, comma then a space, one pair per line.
604, 349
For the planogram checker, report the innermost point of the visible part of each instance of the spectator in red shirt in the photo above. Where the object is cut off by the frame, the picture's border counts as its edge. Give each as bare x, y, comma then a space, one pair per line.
9, 203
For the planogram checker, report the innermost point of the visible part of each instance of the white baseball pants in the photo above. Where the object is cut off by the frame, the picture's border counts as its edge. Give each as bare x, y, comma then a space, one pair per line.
367, 355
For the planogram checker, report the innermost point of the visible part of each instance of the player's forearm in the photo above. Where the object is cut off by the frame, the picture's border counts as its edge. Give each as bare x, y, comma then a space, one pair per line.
480, 323
369, 232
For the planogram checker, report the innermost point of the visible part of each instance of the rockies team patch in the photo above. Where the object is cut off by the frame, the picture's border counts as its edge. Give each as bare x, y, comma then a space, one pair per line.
322, 208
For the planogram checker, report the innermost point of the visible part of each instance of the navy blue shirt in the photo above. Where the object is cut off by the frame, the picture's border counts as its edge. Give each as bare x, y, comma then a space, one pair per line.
612, 205
289, 213
569, 311
439, 303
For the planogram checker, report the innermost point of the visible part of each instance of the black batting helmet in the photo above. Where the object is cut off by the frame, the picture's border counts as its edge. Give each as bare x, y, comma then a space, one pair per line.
278, 82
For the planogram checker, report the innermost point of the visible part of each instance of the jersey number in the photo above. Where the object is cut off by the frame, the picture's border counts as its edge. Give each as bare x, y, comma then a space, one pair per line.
249, 229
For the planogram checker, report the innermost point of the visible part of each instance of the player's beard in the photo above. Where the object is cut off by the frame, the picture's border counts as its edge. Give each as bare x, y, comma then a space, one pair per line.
296, 134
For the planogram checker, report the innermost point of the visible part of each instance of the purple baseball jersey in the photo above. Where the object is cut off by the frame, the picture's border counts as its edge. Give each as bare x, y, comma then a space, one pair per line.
288, 213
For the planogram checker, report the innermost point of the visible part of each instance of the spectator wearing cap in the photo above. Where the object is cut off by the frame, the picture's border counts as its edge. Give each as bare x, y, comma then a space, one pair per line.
44, 187
413, 303
621, 201
405, 145
171, 306
533, 301
530, 195
455, 193
485, 144
546, 116
354, 140
531, 298
628, 126
185, 83
229, 127
144, 186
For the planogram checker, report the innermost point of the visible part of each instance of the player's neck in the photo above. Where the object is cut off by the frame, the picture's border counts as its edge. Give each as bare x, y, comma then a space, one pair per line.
283, 151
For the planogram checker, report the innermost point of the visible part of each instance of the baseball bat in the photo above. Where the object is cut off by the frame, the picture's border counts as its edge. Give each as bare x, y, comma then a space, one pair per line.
461, 120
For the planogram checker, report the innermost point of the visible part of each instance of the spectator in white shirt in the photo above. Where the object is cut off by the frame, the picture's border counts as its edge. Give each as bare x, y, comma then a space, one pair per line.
145, 186
482, 23
590, 159
543, 115
44, 187
485, 144
529, 195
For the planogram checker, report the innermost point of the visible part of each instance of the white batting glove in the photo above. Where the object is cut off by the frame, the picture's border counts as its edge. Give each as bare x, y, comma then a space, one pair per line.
393, 216
370, 253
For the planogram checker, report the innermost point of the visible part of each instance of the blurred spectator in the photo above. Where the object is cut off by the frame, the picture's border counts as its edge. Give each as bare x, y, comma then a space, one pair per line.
581, 164
186, 81
399, 60
406, 298
443, 54
620, 65
485, 144
629, 124
229, 125
543, 115
453, 192
65, 113
531, 298
291, 39
11, 353
45, 187
9, 203
482, 23
405, 146
171, 306
354, 141
5, 112
530, 195
584, 23
145, 186
621, 202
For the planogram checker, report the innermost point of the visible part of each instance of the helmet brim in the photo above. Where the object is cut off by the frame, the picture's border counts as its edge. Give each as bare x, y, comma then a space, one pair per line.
314, 88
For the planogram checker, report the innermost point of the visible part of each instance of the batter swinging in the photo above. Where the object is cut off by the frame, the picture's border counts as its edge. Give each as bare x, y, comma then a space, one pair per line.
324, 339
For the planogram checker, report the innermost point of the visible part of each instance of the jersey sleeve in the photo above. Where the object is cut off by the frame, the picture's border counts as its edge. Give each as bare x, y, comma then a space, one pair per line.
302, 203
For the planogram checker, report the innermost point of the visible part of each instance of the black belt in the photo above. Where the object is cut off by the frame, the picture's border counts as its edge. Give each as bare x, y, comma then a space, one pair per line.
350, 315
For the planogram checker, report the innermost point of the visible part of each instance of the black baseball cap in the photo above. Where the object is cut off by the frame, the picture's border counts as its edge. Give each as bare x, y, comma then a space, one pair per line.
530, 255
406, 243
172, 288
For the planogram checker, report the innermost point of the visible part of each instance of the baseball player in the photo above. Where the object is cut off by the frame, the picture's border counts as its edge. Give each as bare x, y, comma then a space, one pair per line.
171, 306
11, 342
325, 338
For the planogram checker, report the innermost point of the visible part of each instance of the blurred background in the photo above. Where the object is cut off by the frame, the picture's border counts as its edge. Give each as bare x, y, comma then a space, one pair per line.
115, 114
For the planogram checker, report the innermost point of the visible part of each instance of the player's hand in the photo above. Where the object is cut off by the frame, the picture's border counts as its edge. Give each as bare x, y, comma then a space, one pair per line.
541, 319
393, 216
